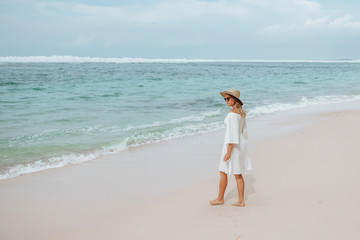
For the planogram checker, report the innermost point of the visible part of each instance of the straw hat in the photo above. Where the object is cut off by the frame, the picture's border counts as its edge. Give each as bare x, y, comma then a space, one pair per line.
234, 93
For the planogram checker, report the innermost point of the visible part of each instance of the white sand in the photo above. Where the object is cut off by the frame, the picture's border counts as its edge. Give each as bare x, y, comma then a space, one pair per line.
304, 185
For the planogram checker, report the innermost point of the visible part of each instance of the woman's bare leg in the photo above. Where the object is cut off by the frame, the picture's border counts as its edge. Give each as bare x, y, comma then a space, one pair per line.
241, 188
222, 188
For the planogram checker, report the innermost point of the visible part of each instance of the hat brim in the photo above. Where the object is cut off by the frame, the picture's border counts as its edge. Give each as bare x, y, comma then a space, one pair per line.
228, 93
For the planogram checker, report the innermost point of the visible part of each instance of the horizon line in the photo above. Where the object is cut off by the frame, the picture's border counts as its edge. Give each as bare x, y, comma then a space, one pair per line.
87, 59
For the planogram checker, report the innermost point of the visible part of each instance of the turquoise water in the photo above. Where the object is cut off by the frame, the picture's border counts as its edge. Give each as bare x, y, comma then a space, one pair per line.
53, 114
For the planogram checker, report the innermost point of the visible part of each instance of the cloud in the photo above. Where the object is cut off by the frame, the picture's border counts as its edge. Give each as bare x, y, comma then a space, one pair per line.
176, 28
311, 19
321, 21
324, 23
156, 13
345, 21
174, 42
308, 5
82, 41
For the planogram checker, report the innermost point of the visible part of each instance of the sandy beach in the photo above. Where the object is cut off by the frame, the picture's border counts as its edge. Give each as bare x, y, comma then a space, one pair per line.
304, 185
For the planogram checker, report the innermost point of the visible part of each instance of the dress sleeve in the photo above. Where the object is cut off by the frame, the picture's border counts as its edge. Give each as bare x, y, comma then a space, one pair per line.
233, 131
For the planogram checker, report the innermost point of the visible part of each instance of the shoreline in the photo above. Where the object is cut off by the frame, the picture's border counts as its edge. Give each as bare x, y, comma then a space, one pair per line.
163, 188
272, 117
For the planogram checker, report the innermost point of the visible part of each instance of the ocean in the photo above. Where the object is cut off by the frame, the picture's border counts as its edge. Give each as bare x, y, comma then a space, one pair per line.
56, 111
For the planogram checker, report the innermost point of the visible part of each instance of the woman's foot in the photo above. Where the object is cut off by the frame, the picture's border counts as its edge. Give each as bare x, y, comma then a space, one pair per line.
239, 204
216, 202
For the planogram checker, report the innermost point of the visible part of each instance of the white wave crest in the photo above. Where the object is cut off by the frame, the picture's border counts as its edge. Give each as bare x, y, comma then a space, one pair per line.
177, 132
61, 161
49, 135
77, 59
192, 118
304, 102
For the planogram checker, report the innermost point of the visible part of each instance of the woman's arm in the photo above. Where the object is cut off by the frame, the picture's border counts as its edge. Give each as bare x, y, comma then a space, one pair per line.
228, 153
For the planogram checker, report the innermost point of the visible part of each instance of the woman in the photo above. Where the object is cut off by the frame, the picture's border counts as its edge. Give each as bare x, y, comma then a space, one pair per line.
234, 158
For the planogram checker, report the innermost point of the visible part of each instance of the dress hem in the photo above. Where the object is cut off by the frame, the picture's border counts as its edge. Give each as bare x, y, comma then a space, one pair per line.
235, 173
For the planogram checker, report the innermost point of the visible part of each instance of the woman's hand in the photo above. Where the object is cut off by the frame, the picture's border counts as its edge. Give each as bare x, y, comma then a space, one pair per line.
227, 156
228, 153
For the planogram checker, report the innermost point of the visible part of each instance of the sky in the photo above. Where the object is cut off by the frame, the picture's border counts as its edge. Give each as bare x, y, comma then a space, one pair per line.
213, 29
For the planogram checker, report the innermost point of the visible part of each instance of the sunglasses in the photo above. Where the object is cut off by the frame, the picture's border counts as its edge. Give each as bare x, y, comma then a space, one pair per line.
226, 98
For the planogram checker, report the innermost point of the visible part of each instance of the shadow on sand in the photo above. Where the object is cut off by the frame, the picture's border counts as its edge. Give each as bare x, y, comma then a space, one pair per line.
249, 188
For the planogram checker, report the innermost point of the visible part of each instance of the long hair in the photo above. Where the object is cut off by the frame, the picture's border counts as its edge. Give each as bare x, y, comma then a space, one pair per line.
242, 112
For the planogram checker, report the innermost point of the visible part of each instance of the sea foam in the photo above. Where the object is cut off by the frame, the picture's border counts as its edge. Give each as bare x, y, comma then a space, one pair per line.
304, 102
60, 161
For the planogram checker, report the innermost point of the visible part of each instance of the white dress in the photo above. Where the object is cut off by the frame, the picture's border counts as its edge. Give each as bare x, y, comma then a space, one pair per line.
235, 133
